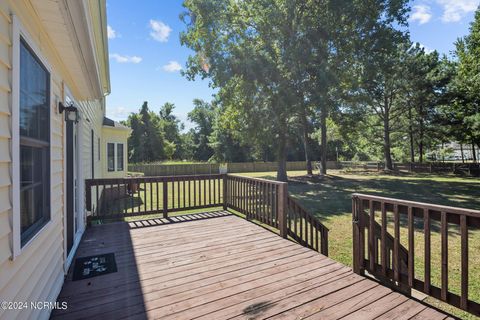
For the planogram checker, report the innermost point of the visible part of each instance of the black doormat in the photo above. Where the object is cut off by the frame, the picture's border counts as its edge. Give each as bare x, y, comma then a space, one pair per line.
88, 267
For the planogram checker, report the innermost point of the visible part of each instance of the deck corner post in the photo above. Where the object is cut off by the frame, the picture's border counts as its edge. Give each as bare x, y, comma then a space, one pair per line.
282, 209
225, 194
356, 235
165, 198
88, 195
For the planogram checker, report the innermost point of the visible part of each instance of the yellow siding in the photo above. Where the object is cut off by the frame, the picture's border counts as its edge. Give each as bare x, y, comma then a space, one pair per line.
37, 273
38, 270
93, 111
114, 135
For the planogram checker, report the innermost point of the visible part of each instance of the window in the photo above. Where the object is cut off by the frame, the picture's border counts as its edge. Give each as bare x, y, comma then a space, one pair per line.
34, 140
111, 156
119, 156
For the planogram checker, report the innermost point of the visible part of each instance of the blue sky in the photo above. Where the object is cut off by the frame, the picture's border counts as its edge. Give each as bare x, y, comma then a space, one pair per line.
146, 55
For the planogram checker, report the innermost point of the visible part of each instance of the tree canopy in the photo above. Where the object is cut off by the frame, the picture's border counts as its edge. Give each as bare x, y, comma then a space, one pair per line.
314, 80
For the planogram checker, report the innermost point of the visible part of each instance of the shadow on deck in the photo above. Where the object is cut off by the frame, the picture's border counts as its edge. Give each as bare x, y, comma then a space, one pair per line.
218, 266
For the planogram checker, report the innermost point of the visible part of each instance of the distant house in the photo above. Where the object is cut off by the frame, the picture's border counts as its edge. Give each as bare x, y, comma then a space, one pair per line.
454, 151
54, 76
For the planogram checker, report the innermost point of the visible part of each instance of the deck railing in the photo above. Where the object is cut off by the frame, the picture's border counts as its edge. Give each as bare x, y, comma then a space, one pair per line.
305, 228
385, 234
265, 201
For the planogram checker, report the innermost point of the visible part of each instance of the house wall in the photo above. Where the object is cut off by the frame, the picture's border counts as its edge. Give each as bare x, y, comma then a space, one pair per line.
37, 273
114, 135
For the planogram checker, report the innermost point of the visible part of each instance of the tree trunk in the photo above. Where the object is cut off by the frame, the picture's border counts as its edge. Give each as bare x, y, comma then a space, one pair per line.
282, 156
474, 153
386, 136
323, 146
410, 132
421, 134
443, 151
306, 142
386, 145
461, 152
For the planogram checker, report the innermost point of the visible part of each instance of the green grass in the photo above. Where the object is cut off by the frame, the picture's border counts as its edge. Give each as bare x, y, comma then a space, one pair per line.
329, 199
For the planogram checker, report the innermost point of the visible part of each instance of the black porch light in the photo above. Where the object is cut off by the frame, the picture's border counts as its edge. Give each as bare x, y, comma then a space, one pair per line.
71, 112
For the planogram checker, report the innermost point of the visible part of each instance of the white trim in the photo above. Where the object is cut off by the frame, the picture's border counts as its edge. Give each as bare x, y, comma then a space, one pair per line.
15, 150
80, 213
17, 32
114, 157
76, 243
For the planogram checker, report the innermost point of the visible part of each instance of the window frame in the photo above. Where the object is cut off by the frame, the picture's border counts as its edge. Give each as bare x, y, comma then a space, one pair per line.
123, 157
19, 34
114, 157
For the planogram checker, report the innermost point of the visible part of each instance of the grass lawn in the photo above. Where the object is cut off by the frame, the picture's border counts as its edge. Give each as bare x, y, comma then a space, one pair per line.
330, 199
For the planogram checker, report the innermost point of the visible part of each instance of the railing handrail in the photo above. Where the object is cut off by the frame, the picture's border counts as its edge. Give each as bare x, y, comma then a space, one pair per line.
152, 178
256, 179
423, 205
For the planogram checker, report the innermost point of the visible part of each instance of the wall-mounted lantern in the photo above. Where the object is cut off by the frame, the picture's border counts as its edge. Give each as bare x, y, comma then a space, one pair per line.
71, 112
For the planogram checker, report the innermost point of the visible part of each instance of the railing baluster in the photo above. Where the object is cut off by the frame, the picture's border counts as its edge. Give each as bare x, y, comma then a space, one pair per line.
264, 202
165, 198
194, 191
97, 202
204, 192
444, 253
301, 223
151, 196
411, 247
178, 194
396, 244
215, 190
464, 263
371, 235
426, 231
144, 200
184, 194
384, 239
361, 234
311, 232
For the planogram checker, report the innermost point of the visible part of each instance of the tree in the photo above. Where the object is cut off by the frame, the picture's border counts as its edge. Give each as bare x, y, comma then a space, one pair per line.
424, 88
171, 127
466, 85
382, 82
202, 116
248, 47
272, 60
145, 143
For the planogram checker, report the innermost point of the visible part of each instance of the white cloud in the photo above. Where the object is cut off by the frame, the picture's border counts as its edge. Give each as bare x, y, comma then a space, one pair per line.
172, 66
421, 13
455, 10
125, 59
159, 30
118, 113
112, 34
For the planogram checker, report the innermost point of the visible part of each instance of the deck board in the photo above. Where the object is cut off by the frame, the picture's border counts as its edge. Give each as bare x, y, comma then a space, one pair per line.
219, 266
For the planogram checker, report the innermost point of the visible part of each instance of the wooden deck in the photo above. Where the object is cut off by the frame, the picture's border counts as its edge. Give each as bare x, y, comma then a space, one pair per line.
219, 266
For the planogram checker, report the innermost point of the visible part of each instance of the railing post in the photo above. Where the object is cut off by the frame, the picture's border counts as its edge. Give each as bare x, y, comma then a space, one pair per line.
225, 203
282, 209
356, 221
324, 244
165, 198
88, 195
